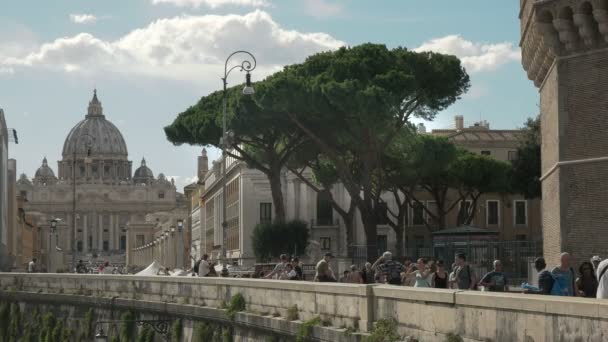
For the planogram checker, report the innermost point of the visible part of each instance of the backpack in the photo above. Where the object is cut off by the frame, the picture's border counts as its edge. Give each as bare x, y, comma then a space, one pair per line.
395, 276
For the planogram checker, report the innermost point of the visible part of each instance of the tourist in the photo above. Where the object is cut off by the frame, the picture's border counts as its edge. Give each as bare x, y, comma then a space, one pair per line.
324, 272
107, 269
203, 266
354, 277
344, 277
279, 268
495, 280
595, 261
464, 277
422, 274
368, 274
31, 266
297, 266
545, 279
602, 279
586, 283
564, 275
440, 277
408, 279
289, 273
81, 267
389, 269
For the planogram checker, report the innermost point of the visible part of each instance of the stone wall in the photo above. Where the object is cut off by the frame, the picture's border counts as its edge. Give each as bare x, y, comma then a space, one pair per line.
424, 314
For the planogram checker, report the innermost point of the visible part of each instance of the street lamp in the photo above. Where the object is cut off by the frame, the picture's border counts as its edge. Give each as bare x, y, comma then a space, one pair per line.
247, 66
52, 228
88, 144
180, 247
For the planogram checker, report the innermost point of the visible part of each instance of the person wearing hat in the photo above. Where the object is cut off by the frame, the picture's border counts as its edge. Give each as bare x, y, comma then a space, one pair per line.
324, 272
595, 261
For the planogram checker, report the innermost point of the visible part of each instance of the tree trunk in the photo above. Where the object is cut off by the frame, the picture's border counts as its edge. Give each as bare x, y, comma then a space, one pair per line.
277, 195
371, 234
399, 237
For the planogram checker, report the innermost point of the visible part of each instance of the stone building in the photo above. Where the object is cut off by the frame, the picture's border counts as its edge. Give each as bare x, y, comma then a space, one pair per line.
94, 194
564, 52
4, 198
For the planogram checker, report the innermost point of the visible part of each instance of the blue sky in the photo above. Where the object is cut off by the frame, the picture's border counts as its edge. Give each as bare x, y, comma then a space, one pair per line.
151, 59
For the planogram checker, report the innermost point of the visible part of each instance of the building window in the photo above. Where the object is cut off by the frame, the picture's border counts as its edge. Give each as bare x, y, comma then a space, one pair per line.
325, 212
105, 230
123, 243
520, 237
492, 213
382, 213
325, 243
161, 195
79, 246
418, 214
521, 212
265, 212
431, 206
90, 242
23, 194
512, 155
463, 213
382, 244
106, 246
486, 153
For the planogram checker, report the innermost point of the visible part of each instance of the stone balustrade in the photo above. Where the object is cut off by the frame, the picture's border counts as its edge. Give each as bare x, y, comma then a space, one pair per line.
425, 314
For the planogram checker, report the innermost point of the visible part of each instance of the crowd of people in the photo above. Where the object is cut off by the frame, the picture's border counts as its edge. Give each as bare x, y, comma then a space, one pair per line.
590, 281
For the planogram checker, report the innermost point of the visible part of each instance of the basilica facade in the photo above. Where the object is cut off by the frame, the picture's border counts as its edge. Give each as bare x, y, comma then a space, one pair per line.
94, 195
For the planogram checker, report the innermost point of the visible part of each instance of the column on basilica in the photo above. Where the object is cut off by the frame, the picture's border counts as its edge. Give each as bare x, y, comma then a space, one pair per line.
100, 228
111, 232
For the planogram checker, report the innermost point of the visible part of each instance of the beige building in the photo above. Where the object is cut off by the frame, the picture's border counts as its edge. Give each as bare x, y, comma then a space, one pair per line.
96, 183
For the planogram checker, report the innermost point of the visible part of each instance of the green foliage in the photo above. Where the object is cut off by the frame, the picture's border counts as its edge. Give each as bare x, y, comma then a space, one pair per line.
4, 320
203, 332
527, 165
292, 313
115, 339
305, 328
176, 330
58, 332
384, 330
273, 239
237, 304
16, 324
226, 334
128, 329
48, 326
147, 335
87, 330
453, 338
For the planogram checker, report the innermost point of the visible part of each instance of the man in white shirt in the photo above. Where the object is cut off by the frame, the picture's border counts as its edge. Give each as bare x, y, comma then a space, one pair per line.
279, 268
203, 267
602, 278
31, 267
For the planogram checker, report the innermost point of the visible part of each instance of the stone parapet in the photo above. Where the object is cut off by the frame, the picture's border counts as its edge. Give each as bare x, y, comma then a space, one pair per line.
425, 314
559, 28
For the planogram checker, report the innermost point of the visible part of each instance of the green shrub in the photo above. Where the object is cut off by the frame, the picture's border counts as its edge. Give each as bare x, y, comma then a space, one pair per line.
127, 327
292, 313
306, 328
237, 304
453, 338
384, 330
176, 330
203, 332
273, 239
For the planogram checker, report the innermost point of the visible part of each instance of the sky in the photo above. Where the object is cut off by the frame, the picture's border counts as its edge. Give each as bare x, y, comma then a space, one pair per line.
152, 59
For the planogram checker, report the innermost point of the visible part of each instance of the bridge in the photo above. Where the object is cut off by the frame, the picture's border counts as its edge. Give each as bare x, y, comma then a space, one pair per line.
272, 310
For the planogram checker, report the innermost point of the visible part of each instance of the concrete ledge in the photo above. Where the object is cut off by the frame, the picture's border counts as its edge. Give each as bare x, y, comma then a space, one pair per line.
415, 294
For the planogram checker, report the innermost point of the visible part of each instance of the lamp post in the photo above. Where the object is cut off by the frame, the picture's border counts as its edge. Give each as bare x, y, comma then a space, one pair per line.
88, 145
52, 228
180, 242
248, 66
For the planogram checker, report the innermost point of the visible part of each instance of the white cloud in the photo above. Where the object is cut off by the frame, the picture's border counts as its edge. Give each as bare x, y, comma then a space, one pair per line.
476, 57
213, 3
322, 8
83, 18
182, 48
